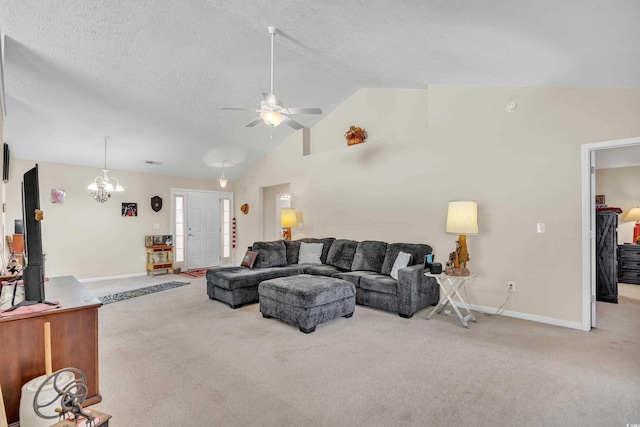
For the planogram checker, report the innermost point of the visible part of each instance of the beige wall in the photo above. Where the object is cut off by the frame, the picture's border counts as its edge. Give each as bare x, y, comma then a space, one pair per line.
427, 147
88, 239
621, 187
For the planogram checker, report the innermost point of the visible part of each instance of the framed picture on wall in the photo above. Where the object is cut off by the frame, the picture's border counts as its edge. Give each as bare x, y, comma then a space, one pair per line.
58, 195
129, 209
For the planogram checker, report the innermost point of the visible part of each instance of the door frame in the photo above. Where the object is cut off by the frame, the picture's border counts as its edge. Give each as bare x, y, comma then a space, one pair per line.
183, 192
588, 225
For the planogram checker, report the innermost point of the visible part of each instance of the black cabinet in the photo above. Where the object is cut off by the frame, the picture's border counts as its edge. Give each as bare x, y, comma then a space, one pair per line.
606, 256
629, 264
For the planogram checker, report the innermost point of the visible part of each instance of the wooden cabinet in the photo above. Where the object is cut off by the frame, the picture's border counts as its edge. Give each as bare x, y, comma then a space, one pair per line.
606, 256
74, 342
159, 257
629, 264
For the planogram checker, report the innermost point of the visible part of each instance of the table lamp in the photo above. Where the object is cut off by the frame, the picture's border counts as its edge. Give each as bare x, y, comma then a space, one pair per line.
288, 219
634, 215
462, 219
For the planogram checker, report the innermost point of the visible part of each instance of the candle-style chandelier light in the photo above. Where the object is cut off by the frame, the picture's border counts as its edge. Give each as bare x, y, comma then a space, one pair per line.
102, 186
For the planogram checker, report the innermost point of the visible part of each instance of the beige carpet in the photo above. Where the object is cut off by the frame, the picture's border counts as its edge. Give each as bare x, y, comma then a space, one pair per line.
176, 358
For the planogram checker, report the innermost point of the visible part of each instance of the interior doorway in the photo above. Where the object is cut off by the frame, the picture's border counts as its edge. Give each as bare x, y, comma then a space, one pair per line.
271, 202
589, 151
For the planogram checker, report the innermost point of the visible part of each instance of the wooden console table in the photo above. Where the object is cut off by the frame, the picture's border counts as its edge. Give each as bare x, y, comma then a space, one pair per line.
74, 342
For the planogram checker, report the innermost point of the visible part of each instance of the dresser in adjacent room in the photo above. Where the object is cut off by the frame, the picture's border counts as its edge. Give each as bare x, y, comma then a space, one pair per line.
629, 264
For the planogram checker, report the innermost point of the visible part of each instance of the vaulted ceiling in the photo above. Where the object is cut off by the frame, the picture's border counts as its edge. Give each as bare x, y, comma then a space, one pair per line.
152, 74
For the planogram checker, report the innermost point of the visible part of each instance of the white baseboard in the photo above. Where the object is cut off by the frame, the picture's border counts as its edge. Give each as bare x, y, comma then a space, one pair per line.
124, 276
527, 316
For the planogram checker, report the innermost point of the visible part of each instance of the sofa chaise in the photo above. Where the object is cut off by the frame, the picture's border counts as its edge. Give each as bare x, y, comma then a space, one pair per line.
369, 265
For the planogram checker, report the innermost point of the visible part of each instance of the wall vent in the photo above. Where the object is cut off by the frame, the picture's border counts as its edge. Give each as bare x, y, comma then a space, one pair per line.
151, 162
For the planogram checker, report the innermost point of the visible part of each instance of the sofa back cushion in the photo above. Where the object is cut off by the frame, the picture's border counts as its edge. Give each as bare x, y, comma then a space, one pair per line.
369, 256
341, 253
293, 249
417, 250
270, 254
326, 242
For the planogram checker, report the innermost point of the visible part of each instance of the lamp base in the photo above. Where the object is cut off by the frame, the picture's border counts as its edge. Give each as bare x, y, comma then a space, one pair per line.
636, 233
286, 233
457, 271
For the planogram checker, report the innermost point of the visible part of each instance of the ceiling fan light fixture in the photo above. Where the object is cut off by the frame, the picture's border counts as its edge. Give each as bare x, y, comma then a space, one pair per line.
271, 118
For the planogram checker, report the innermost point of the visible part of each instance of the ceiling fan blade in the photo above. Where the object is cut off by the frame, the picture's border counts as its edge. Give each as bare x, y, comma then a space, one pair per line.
241, 109
253, 123
292, 123
269, 98
304, 111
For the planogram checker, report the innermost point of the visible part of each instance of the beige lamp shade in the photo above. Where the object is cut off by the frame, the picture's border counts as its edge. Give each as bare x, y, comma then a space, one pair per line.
633, 215
288, 218
462, 217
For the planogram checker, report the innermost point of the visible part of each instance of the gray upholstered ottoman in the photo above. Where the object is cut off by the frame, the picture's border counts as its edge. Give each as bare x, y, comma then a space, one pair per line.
306, 300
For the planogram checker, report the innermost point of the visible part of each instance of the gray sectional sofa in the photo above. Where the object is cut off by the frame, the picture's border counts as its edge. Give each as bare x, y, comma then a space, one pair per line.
366, 264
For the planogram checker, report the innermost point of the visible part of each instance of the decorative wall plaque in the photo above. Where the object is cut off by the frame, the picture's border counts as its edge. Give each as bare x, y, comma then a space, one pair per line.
156, 203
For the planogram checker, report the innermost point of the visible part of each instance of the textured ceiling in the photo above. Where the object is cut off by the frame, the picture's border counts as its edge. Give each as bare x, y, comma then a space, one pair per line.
152, 74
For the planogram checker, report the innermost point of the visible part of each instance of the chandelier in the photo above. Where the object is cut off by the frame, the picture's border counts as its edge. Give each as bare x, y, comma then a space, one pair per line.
102, 186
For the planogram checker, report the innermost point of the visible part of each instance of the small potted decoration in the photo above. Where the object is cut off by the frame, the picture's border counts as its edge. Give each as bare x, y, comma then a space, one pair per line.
355, 135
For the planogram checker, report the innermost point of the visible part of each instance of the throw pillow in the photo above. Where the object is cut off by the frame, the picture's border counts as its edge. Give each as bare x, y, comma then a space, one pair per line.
310, 253
248, 259
402, 260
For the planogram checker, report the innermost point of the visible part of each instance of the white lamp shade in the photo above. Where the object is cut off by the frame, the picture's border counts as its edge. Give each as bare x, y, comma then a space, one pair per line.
93, 187
109, 187
288, 218
223, 182
119, 188
462, 217
272, 118
633, 215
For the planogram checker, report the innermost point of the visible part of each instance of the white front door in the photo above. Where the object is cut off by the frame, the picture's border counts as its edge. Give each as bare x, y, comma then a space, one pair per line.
203, 230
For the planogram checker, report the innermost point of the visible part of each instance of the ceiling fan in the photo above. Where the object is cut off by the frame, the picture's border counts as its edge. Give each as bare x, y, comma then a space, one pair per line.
272, 112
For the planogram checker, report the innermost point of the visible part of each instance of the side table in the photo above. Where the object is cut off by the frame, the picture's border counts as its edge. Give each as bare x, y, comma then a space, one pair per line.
450, 285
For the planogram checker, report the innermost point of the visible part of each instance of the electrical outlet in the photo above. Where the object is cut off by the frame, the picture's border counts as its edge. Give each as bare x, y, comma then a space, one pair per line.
142, 258
512, 286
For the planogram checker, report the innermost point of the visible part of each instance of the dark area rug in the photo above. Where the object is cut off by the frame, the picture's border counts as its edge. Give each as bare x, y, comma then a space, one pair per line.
121, 296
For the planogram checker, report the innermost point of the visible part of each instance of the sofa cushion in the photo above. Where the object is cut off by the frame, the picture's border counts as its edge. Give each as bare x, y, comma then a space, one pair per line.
270, 254
231, 278
369, 256
326, 242
319, 270
293, 249
378, 282
417, 250
352, 276
341, 253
